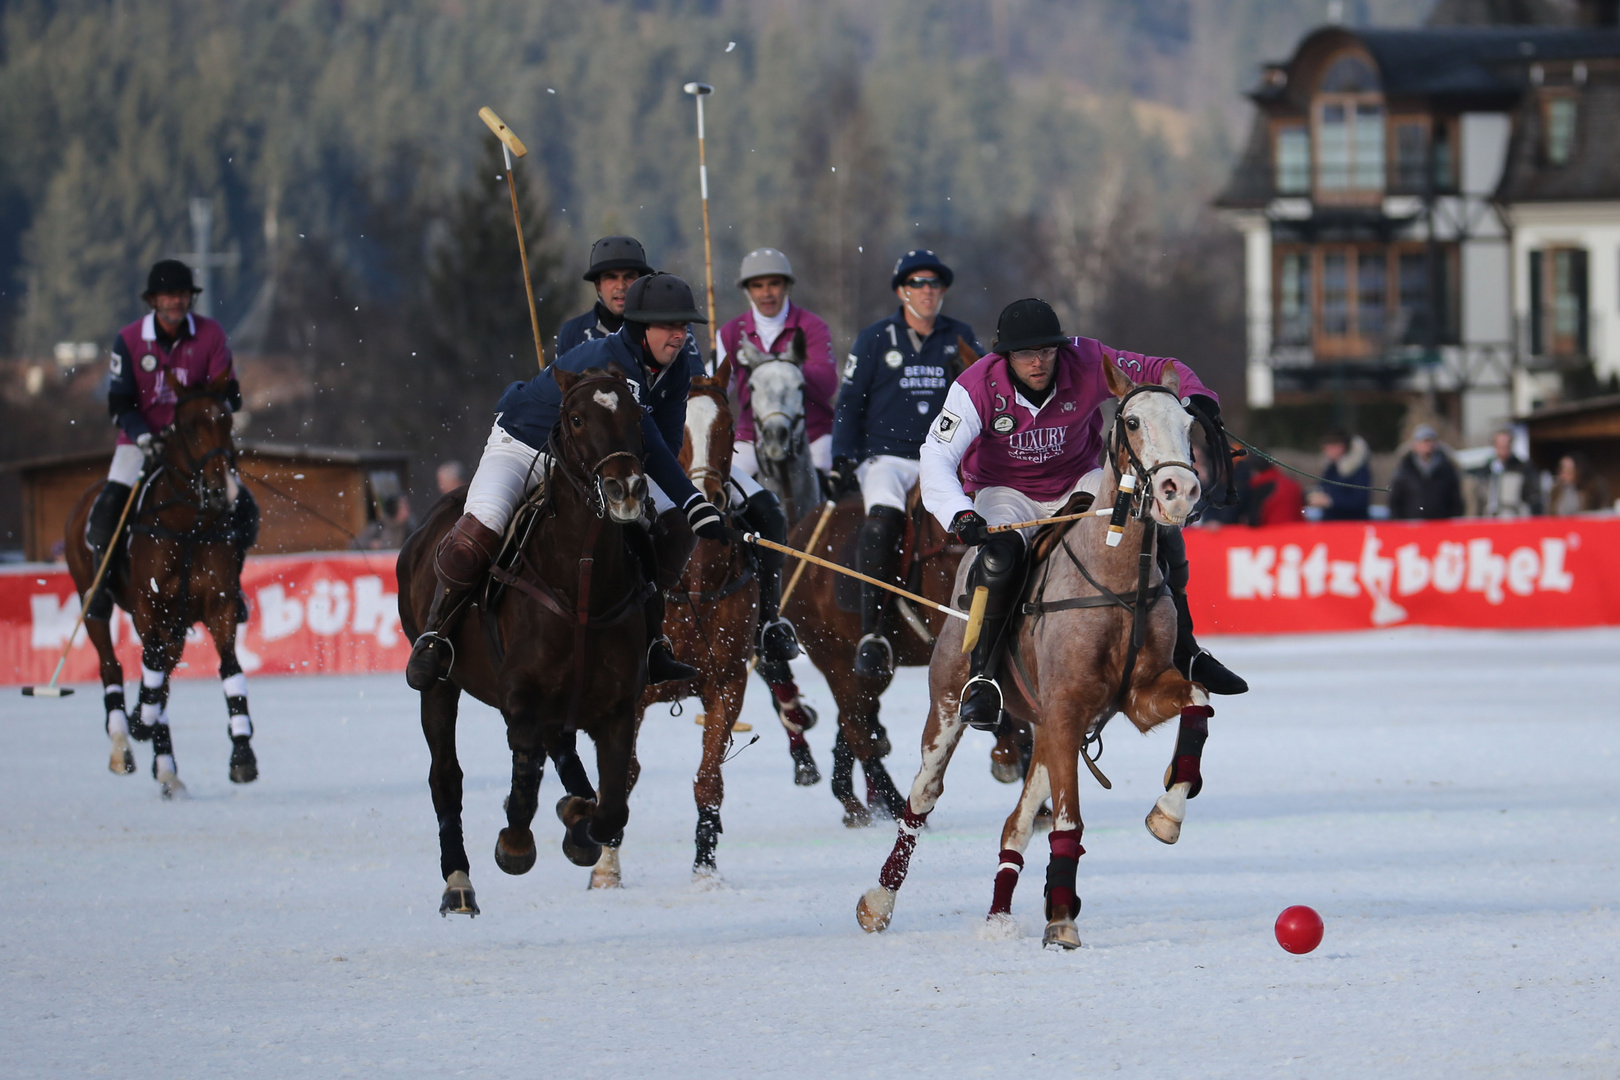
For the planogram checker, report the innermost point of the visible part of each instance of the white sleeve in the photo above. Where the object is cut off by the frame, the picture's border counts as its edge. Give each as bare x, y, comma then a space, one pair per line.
949, 437
720, 353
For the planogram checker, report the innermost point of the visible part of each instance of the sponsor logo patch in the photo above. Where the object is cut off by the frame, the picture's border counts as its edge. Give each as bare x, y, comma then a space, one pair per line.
893, 358
148, 362
945, 427
117, 364
922, 408
1002, 424
849, 366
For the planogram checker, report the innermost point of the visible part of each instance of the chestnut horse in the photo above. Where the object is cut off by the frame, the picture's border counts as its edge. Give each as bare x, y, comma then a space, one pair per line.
830, 633
182, 567
712, 614
1093, 640
566, 647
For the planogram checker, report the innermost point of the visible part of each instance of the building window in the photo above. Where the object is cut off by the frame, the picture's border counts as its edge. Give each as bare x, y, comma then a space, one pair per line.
1419, 318
1558, 302
1294, 299
1293, 160
1442, 158
1372, 289
1349, 116
1423, 156
1335, 295
1560, 129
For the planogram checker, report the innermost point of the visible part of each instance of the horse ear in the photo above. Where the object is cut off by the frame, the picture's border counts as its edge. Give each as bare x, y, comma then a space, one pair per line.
797, 351
747, 355
616, 371
965, 353
1170, 379
567, 379
1119, 383
722, 374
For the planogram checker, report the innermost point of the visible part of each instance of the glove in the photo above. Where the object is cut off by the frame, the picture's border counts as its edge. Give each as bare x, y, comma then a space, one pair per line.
972, 528
842, 479
148, 446
1207, 408
705, 519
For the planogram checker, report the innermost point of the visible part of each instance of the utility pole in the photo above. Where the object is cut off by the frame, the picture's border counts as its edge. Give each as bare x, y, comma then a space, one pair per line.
200, 259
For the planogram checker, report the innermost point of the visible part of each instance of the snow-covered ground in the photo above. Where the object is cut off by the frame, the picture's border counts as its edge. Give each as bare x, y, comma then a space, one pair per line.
1446, 800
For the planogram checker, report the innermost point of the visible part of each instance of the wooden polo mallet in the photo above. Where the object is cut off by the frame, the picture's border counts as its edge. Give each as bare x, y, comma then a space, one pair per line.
511, 147
50, 689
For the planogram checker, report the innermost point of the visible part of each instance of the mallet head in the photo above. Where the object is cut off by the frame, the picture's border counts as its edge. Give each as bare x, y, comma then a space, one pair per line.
698, 89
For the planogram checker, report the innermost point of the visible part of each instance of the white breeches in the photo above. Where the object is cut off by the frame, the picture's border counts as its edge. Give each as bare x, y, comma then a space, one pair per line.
509, 470
885, 480
1005, 505
745, 459
126, 465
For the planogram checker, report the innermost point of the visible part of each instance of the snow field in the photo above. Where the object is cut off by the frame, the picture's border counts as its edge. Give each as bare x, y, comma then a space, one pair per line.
1446, 800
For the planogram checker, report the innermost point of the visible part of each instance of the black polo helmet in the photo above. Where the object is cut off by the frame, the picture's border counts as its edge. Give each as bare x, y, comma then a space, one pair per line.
169, 276
920, 259
661, 298
1027, 324
617, 253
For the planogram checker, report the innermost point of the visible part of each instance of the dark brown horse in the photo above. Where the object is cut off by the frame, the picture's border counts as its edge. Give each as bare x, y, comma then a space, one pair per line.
565, 650
1093, 640
712, 614
827, 614
183, 567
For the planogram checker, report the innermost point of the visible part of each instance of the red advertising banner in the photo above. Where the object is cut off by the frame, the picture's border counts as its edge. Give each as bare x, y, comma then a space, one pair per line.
338, 613
1530, 573
334, 613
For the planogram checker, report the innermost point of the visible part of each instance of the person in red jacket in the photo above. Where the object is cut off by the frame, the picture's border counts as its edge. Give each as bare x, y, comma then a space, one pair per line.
1275, 498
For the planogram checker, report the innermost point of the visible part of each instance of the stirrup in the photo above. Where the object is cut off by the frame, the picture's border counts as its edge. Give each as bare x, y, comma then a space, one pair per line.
778, 641
422, 648
961, 702
888, 655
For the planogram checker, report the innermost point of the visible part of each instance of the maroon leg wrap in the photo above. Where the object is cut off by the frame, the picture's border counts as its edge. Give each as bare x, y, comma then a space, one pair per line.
1190, 748
1060, 872
899, 860
787, 698
1012, 863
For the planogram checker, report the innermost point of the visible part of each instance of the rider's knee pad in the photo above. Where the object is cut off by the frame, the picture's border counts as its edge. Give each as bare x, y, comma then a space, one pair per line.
763, 510
245, 518
672, 544
1000, 559
880, 534
466, 552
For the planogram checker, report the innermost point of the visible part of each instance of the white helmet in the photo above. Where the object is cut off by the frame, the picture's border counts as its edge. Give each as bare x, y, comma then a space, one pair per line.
764, 262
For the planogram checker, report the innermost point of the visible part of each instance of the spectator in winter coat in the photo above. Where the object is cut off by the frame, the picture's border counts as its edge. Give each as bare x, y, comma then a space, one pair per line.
1578, 489
1426, 484
1274, 497
1346, 462
1506, 486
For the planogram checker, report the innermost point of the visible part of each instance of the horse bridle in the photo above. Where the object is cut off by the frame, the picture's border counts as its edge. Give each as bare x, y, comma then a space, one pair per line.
588, 482
192, 473
795, 424
1121, 440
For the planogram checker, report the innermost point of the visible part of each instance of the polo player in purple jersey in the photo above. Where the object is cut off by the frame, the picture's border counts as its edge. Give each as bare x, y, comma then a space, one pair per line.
1019, 433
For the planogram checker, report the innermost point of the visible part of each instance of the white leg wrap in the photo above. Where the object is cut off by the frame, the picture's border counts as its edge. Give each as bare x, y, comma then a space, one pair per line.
235, 685
241, 724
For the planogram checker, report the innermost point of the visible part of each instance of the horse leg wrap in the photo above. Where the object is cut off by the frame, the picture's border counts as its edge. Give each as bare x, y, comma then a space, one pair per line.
162, 744
112, 700
789, 708
151, 699
1012, 864
1190, 749
571, 771
1060, 872
452, 849
708, 835
895, 866
236, 703
527, 770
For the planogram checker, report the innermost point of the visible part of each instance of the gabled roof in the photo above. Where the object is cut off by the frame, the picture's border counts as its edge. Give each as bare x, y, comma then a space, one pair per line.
1480, 62
1593, 169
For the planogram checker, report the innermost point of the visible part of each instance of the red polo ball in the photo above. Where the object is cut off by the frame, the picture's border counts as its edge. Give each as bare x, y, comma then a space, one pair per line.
1299, 929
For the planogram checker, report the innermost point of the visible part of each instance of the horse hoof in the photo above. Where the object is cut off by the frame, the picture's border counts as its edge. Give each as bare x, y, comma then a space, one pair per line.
458, 895
706, 877
1164, 820
122, 760
874, 909
605, 874
514, 851
1062, 933
578, 846
244, 765
169, 785
857, 818
805, 773
1006, 772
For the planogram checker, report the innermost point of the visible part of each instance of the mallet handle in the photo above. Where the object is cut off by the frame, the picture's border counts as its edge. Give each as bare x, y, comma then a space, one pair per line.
101, 571
755, 538
815, 538
1038, 522
512, 146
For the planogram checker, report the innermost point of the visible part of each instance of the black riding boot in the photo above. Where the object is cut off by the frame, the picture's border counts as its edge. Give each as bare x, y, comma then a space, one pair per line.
244, 533
879, 557
459, 565
663, 553
99, 533
777, 641
999, 568
1192, 661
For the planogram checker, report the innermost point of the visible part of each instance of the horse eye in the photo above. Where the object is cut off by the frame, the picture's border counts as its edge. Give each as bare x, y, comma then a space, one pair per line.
577, 420
1132, 423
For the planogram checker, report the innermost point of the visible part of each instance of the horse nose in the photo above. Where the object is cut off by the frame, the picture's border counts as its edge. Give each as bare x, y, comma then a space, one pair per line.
1171, 488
